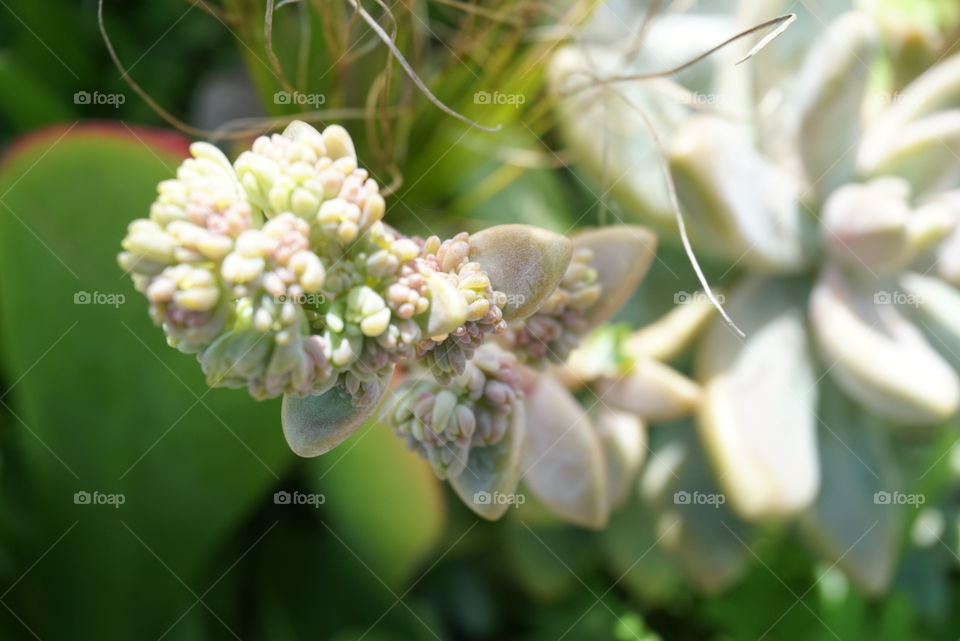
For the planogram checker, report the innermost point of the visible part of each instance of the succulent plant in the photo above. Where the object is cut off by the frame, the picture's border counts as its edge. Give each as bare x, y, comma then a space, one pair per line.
279, 273
835, 203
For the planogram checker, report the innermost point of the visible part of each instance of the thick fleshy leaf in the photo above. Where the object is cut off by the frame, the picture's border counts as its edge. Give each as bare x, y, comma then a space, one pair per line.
598, 355
692, 517
605, 131
937, 312
735, 196
492, 472
855, 521
621, 255
563, 461
624, 439
314, 425
671, 335
102, 405
830, 90
936, 90
524, 262
651, 390
757, 419
877, 355
924, 152
930, 225
947, 264
864, 226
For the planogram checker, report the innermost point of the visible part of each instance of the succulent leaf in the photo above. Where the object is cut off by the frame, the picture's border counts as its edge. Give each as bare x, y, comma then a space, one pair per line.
925, 152
936, 90
937, 312
830, 89
735, 196
526, 263
757, 419
692, 520
652, 391
314, 425
878, 356
850, 524
493, 471
624, 439
563, 461
622, 254
674, 332
866, 225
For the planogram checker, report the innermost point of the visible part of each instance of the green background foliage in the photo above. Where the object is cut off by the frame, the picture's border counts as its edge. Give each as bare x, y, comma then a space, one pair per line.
91, 400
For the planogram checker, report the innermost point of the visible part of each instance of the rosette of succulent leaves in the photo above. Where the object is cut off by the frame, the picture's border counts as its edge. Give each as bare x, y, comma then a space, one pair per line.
831, 196
279, 273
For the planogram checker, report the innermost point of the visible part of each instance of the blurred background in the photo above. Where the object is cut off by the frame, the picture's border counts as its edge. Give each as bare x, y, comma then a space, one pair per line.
137, 503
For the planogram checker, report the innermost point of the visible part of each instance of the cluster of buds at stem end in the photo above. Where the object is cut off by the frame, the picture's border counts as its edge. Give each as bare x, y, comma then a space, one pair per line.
442, 422
278, 272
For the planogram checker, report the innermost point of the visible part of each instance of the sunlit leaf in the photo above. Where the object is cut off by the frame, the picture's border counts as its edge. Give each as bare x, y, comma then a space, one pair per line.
758, 419
562, 457
314, 425
524, 262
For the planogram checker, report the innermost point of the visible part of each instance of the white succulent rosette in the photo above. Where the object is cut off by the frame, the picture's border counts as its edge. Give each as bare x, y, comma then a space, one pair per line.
839, 209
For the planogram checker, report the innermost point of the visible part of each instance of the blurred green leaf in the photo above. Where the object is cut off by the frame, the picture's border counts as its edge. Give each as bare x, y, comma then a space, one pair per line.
384, 502
546, 561
855, 522
26, 99
103, 406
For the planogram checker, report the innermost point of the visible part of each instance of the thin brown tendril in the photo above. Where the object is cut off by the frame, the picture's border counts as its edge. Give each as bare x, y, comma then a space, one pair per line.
388, 41
268, 47
678, 215
782, 23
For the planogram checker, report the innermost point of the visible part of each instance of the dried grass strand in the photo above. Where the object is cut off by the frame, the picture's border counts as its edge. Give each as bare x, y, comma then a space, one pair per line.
678, 215
388, 41
782, 22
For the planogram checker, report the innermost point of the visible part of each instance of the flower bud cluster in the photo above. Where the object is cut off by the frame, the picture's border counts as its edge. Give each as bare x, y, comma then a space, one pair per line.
279, 272
315, 176
175, 255
446, 355
555, 330
442, 422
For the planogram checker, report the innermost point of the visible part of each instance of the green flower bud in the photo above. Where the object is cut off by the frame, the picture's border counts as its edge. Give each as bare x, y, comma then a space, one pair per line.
442, 423
555, 329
